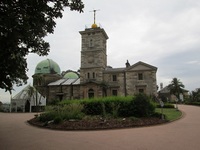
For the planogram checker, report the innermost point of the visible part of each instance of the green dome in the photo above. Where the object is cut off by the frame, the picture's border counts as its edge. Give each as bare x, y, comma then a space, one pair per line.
71, 75
47, 66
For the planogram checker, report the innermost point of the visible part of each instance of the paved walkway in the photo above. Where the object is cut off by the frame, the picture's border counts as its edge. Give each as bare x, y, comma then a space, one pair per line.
184, 134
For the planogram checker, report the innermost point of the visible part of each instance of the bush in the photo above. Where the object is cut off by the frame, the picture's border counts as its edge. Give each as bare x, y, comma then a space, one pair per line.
72, 111
46, 117
138, 106
193, 103
58, 120
115, 106
64, 112
143, 107
166, 105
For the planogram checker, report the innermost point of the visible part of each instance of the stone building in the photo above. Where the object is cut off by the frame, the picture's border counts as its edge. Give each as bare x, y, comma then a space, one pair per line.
95, 78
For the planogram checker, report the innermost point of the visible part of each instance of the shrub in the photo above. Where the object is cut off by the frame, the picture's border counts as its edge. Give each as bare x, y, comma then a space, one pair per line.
166, 105
71, 111
46, 117
58, 120
143, 107
115, 106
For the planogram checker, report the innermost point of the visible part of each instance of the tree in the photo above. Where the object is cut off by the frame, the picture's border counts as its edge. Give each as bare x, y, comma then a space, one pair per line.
23, 26
195, 95
176, 87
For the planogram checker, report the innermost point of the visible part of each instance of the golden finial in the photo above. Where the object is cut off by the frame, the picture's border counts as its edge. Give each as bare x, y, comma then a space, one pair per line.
94, 25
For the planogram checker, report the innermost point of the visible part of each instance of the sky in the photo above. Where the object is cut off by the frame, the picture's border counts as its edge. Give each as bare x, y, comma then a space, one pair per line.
162, 33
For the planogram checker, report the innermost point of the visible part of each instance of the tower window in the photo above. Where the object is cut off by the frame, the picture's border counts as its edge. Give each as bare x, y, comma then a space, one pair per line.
91, 43
140, 76
114, 78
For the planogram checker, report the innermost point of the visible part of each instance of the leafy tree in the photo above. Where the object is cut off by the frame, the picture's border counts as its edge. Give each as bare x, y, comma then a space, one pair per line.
176, 87
195, 95
23, 26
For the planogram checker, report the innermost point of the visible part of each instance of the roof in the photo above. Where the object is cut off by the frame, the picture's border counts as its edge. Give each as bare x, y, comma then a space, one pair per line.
71, 75
65, 82
47, 66
24, 94
165, 90
110, 70
135, 67
141, 66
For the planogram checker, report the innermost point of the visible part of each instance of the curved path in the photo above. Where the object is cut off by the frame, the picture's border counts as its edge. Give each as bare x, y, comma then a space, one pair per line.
183, 134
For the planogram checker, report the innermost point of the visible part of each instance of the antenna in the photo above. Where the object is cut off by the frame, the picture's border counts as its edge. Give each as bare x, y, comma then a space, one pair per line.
95, 14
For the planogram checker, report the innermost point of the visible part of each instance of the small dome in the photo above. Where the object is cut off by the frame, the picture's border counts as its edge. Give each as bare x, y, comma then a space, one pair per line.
47, 66
71, 75
94, 25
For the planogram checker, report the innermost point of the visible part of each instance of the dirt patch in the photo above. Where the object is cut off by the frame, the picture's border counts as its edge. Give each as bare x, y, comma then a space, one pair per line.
98, 124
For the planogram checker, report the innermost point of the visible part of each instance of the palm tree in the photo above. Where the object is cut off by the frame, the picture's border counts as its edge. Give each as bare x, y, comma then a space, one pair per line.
176, 87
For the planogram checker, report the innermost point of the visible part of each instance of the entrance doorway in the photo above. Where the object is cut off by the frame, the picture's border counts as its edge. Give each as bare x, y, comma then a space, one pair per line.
90, 93
27, 106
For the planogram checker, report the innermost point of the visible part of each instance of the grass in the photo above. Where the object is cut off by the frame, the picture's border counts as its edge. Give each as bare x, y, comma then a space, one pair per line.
170, 113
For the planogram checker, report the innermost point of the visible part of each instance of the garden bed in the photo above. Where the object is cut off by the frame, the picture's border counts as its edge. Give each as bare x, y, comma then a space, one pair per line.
98, 124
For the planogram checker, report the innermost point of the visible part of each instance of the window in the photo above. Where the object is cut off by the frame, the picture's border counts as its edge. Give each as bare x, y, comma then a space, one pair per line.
90, 93
114, 92
141, 90
93, 75
114, 78
88, 75
140, 76
91, 43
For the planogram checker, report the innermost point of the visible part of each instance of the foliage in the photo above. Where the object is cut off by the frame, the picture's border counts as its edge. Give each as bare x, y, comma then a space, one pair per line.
176, 87
59, 113
54, 102
195, 95
23, 26
139, 106
106, 105
58, 119
143, 106
193, 103
166, 105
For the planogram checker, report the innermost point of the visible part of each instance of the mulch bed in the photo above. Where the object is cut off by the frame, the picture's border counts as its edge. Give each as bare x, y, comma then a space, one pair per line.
98, 124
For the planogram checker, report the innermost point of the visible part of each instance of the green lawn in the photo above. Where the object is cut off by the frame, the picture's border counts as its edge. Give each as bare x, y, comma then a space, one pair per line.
170, 113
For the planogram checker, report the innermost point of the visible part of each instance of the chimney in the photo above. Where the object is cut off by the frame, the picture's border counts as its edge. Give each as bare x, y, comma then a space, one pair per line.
127, 64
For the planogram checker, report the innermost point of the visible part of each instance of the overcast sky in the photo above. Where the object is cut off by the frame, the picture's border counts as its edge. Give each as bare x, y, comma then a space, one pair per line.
162, 33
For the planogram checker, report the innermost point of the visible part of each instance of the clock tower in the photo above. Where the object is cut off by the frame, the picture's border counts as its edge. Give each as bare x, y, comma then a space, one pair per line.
93, 55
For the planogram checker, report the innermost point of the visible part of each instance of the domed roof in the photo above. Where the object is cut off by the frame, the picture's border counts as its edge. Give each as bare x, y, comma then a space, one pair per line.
47, 66
71, 75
